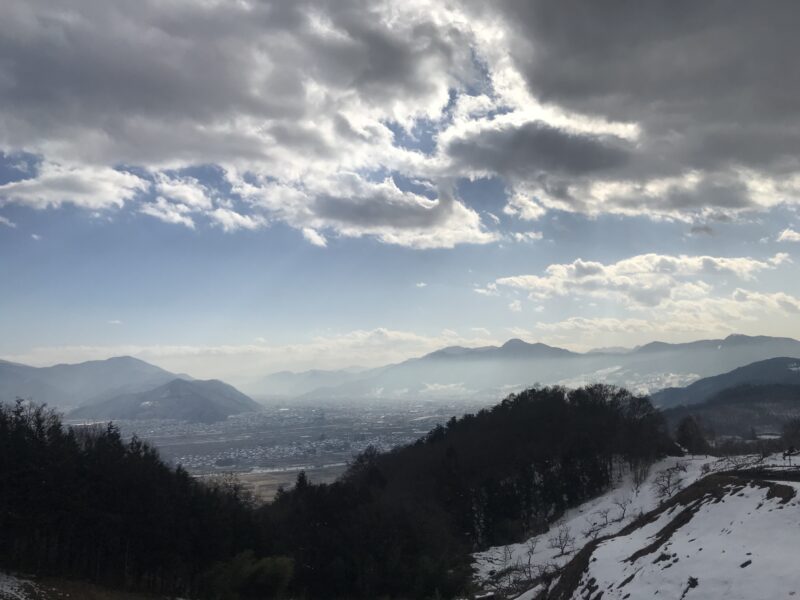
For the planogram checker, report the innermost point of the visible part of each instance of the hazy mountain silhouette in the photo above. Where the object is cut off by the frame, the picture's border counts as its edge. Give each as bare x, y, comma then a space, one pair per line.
66, 385
781, 371
491, 371
195, 401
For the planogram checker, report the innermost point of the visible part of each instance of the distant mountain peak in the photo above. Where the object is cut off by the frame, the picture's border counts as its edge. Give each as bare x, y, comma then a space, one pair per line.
179, 399
515, 343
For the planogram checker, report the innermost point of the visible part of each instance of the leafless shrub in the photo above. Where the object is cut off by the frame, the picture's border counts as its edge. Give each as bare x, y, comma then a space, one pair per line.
639, 471
592, 529
562, 540
667, 482
622, 504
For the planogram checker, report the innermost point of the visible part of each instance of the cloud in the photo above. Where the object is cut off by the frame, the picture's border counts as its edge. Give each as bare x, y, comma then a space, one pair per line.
741, 311
527, 236
601, 325
515, 306
643, 280
169, 212
314, 237
654, 130
304, 108
89, 187
230, 220
7, 222
421, 284
521, 151
352, 206
291, 96
702, 230
789, 235
489, 290
114, 322
187, 191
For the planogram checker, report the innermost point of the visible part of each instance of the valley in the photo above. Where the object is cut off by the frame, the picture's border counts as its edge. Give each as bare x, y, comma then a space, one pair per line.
267, 449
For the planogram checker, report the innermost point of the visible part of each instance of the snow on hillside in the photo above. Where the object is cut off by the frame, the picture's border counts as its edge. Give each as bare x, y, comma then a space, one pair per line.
15, 588
507, 567
719, 525
738, 540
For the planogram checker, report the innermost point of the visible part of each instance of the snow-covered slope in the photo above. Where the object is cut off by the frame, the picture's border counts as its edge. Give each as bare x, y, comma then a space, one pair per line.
727, 536
17, 588
731, 532
508, 568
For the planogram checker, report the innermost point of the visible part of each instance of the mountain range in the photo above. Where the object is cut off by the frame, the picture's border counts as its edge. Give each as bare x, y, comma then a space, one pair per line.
122, 388
487, 372
69, 385
493, 371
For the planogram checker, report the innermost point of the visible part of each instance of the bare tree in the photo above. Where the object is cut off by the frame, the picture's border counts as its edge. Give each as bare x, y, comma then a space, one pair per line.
622, 504
639, 471
669, 481
530, 550
592, 529
562, 540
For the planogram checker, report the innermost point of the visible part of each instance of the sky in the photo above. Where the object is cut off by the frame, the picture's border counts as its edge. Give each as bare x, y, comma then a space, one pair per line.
230, 188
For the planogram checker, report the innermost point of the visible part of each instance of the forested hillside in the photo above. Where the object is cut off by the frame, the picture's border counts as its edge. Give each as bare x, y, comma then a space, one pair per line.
743, 410
403, 523
87, 504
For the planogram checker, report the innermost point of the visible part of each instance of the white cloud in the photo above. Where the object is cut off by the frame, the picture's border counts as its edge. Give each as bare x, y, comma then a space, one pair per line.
489, 290
515, 306
230, 220
601, 325
169, 212
527, 236
315, 238
187, 191
643, 280
89, 187
421, 284
789, 235
7, 222
353, 206
114, 322
36, 237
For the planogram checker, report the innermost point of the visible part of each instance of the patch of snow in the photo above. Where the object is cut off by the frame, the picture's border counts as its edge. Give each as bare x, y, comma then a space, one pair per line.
741, 547
596, 518
15, 588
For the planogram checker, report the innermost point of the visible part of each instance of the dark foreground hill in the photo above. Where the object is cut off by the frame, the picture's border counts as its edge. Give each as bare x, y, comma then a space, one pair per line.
193, 401
84, 503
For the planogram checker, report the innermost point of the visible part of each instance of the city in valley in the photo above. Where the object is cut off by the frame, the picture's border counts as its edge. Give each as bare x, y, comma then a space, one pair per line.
266, 450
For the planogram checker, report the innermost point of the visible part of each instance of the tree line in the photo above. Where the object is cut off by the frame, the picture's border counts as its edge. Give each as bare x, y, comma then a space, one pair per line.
401, 524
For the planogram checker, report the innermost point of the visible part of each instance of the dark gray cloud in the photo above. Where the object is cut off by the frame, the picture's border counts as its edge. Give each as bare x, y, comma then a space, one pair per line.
97, 70
384, 205
701, 230
296, 95
713, 88
670, 108
522, 151
717, 80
